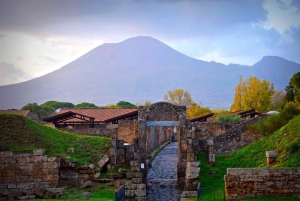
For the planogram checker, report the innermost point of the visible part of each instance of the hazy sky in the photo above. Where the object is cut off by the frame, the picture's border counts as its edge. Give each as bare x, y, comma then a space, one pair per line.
37, 37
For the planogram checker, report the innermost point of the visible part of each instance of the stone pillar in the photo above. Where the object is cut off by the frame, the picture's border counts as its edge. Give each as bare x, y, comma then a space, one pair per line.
271, 157
211, 159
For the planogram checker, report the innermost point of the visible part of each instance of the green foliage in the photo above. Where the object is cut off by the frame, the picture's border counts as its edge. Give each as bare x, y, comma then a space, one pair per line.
85, 105
290, 93
227, 118
179, 97
124, 104
197, 110
289, 111
295, 81
19, 133
294, 147
252, 156
274, 122
278, 100
57, 105
41, 111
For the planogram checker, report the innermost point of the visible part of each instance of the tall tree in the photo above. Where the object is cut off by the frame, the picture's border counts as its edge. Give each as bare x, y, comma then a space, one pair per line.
85, 105
253, 94
179, 97
124, 104
290, 93
41, 111
278, 100
57, 105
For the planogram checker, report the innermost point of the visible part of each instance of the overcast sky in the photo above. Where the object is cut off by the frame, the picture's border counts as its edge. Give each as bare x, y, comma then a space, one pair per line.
38, 37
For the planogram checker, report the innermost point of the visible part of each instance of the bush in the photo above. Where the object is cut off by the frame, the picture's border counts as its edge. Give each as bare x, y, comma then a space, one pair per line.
226, 118
294, 147
270, 125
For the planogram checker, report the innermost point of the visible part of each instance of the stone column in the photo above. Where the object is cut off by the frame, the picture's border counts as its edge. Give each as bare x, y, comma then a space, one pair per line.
271, 157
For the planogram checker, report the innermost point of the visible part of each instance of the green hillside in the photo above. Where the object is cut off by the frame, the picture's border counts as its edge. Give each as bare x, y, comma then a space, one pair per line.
19, 133
285, 141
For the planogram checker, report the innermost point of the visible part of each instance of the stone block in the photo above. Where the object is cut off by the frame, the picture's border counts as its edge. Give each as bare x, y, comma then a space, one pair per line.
30, 197
137, 180
39, 152
120, 152
5, 154
50, 195
49, 165
25, 185
52, 159
140, 198
103, 161
140, 193
40, 192
120, 159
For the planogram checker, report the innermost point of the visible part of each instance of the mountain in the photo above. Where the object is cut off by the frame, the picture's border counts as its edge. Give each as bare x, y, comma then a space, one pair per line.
140, 69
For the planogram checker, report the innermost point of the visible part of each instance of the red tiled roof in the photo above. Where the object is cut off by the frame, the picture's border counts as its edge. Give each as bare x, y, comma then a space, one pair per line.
100, 114
20, 112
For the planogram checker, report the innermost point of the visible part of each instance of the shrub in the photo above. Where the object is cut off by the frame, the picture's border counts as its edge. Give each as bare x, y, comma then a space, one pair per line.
268, 126
226, 118
294, 147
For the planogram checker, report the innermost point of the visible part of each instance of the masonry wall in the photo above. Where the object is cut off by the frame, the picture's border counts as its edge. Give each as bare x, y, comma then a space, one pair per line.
93, 131
254, 182
22, 171
127, 130
233, 137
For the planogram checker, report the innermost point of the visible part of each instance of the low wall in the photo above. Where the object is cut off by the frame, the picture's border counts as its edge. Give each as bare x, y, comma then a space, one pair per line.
112, 133
254, 182
22, 171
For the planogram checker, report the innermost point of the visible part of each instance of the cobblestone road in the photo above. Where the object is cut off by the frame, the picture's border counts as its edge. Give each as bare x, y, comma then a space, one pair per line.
162, 177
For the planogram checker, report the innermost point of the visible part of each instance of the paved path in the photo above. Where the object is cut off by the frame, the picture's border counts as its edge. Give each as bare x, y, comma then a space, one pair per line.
162, 177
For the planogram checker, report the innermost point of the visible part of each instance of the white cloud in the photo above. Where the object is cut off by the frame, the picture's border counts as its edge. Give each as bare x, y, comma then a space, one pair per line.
10, 74
36, 56
282, 15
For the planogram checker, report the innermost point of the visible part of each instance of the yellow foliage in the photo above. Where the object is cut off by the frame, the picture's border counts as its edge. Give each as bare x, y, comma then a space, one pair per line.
179, 97
253, 94
197, 110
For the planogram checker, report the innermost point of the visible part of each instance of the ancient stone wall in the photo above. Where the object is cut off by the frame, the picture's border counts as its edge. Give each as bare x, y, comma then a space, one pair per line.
254, 182
232, 139
235, 138
127, 130
162, 111
93, 131
71, 173
121, 152
21, 172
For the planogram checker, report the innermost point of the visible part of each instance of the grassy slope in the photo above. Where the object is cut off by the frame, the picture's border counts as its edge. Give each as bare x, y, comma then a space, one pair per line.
252, 155
19, 133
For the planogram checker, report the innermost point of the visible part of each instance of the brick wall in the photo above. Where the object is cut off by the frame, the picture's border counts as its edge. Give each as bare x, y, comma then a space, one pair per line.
255, 182
20, 172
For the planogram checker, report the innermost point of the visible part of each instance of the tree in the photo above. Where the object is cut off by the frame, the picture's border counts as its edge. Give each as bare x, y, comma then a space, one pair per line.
124, 104
179, 97
85, 105
278, 100
293, 90
146, 103
253, 94
57, 105
197, 110
290, 93
41, 111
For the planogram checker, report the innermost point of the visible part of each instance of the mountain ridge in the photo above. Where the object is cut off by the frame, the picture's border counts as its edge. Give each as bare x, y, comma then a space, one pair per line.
139, 69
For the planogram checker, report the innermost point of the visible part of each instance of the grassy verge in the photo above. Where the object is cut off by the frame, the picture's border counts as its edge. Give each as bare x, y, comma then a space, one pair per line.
18, 133
253, 155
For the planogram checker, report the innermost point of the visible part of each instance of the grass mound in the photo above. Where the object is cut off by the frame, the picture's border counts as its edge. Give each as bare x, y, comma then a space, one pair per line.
18, 133
285, 141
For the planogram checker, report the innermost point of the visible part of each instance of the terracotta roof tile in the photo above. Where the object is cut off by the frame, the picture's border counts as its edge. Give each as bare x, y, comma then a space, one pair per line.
100, 114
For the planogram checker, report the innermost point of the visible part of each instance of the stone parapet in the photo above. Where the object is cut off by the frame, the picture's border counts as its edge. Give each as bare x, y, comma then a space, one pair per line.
265, 182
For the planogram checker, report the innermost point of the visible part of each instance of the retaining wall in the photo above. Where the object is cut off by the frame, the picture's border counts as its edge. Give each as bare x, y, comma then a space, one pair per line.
255, 182
23, 171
